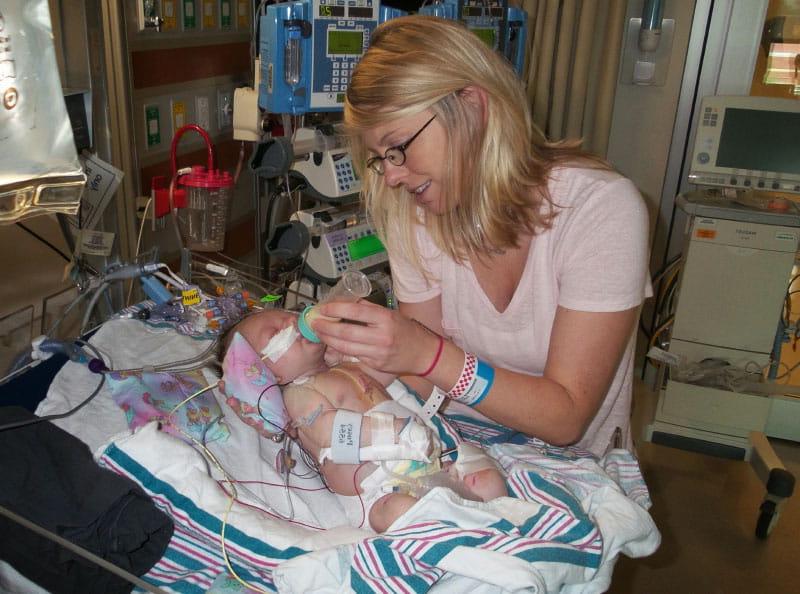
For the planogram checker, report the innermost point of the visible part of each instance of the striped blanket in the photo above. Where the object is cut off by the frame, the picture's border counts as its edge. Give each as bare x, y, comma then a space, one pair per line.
567, 520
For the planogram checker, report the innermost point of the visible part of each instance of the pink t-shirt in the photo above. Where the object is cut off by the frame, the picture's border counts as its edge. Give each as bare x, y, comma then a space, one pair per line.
594, 258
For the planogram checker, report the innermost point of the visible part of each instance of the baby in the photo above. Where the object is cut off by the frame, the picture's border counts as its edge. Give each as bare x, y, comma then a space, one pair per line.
366, 443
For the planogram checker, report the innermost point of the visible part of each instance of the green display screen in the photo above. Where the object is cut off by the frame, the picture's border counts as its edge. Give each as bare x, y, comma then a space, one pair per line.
487, 35
345, 42
364, 247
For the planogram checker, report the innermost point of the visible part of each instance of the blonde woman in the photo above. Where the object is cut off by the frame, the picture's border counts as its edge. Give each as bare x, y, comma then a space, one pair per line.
520, 266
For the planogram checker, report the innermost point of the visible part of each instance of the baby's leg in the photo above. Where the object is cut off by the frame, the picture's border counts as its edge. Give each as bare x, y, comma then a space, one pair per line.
486, 484
478, 472
388, 508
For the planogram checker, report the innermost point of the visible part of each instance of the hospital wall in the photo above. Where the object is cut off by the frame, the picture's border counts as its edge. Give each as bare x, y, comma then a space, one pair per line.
639, 146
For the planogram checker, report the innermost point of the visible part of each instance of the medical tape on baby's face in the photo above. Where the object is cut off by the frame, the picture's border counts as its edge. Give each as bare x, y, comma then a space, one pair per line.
280, 344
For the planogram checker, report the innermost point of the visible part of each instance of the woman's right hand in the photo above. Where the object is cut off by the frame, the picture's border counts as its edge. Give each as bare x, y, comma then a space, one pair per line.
381, 338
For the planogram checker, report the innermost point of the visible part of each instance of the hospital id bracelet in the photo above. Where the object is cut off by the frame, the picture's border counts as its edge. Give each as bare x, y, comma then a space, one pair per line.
474, 383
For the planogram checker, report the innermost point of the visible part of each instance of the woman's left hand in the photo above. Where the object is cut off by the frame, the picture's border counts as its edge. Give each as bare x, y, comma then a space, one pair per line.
381, 338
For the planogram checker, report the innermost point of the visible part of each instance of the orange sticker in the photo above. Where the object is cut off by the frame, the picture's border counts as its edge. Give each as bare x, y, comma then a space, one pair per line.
706, 233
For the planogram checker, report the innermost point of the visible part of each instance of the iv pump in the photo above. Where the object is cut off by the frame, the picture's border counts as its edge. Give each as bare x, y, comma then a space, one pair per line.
308, 49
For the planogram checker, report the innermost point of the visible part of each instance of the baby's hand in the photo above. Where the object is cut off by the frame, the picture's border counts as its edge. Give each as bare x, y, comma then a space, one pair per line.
333, 357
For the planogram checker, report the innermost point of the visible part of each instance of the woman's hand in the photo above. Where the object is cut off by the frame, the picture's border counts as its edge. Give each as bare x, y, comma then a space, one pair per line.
381, 338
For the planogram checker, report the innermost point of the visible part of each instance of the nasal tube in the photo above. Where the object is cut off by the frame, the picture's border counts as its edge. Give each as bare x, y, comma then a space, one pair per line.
353, 285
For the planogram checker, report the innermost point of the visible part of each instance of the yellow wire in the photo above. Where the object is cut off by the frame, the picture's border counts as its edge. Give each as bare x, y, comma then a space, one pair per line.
231, 500
660, 330
233, 493
188, 398
665, 286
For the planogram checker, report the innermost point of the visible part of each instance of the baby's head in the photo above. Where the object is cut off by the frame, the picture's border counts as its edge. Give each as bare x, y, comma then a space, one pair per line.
303, 357
262, 352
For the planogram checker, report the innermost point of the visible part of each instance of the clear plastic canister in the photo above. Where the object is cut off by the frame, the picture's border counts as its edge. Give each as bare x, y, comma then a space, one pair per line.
204, 220
353, 285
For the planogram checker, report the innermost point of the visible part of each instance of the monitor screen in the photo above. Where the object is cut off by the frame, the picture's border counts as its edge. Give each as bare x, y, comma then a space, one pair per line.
755, 139
744, 141
345, 42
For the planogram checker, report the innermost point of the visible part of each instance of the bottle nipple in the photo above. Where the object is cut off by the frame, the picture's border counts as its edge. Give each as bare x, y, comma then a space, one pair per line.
304, 321
353, 285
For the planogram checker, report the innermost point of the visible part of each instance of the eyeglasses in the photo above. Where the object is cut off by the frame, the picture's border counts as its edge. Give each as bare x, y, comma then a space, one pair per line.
396, 155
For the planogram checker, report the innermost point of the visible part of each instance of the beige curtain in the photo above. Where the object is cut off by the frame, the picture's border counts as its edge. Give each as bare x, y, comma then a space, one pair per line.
571, 67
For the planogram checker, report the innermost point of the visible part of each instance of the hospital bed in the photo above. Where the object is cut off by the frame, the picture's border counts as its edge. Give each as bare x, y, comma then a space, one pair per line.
237, 524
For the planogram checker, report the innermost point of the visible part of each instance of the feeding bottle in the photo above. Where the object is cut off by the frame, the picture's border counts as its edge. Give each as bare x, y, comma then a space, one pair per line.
353, 285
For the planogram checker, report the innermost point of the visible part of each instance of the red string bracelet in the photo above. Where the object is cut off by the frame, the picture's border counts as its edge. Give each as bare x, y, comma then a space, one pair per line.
436, 358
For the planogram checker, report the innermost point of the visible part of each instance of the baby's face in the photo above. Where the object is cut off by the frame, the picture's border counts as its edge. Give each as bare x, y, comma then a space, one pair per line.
302, 357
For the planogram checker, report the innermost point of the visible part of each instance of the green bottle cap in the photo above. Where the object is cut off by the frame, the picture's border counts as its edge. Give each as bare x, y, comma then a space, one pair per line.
305, 329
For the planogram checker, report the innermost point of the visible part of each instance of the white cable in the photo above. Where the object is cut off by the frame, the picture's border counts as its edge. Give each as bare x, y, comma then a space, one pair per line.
139, 243
177, 279
168, 279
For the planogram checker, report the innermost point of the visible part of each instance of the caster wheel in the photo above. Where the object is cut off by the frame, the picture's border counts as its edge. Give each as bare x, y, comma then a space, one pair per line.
767, 518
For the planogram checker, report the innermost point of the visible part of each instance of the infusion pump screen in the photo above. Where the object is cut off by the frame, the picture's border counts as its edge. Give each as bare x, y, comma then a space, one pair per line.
487, 35
349, 43
331, 11
754, 139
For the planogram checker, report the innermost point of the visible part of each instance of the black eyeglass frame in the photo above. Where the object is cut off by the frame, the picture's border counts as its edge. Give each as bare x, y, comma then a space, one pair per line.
396, 155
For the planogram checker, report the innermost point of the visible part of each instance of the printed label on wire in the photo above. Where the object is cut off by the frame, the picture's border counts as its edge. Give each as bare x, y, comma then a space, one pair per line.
190, 296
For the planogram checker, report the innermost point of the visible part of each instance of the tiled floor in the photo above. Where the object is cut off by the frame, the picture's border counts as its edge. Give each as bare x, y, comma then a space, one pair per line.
706, 509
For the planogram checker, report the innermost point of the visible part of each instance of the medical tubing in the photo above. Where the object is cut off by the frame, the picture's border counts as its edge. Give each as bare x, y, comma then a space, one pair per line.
436, 358
128, 271
249, 278
147, 206
421, 485
168, 279
65, 347
69, 308
178, 278
180, 365
72, 411
173, 215
95, 297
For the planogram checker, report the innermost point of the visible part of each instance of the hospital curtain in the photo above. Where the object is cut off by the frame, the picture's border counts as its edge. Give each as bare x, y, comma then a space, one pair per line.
571, 67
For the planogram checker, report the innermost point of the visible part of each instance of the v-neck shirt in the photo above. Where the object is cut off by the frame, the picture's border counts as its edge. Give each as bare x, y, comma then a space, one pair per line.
593, 258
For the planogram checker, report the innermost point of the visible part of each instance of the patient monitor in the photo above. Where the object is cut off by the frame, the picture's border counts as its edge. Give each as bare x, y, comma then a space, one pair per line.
739, 251
748, 142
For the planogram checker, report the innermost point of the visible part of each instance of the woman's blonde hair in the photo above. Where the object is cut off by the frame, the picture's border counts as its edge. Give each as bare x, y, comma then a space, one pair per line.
498, 171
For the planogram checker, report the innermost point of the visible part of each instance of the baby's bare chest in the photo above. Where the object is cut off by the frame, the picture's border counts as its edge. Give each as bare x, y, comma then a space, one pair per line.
351, 389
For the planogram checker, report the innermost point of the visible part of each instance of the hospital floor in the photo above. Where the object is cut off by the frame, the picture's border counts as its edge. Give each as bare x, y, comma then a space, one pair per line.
706, 509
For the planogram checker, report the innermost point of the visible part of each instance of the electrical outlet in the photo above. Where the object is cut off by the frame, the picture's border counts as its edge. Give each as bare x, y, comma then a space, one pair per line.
179, 115
152, 126
203, 112
224, 108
